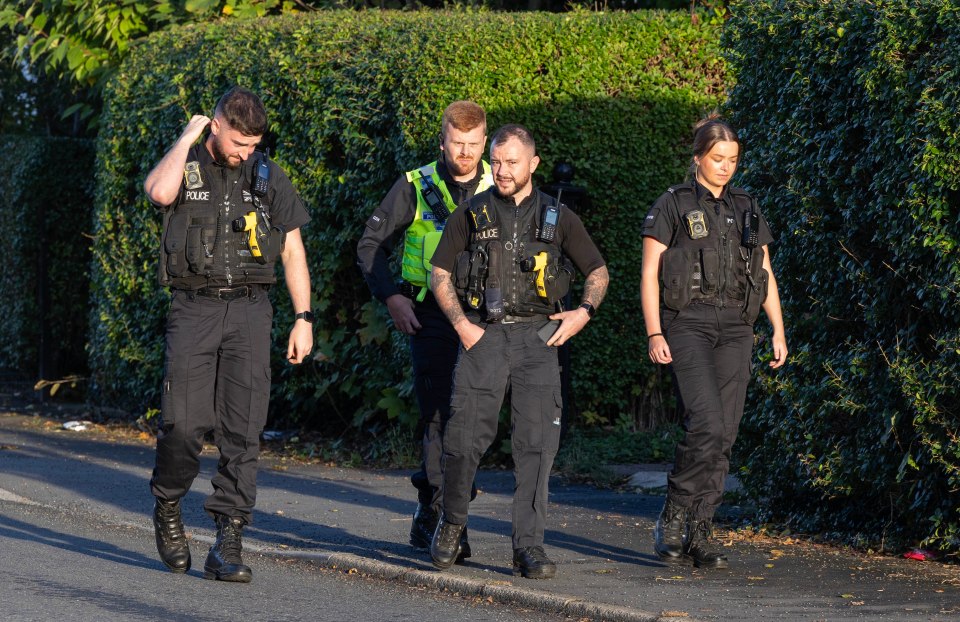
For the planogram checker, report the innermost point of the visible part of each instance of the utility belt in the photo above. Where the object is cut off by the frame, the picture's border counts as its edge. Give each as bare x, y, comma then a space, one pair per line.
227, 294
413, 292
519, 319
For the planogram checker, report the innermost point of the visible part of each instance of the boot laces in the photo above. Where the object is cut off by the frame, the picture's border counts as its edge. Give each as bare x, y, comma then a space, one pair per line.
673, 513
702, 531
168, 514
231, 544
449, 535
538, 555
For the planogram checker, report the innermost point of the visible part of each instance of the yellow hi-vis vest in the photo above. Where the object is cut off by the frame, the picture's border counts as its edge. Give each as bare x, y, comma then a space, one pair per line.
423, 234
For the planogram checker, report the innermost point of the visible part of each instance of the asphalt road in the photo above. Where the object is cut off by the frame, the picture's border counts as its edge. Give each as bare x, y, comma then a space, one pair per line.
96, 484
67, 565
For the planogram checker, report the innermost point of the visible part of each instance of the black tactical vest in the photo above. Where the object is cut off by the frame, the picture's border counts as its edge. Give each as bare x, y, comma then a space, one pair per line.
503, 239
200, 246
706, 261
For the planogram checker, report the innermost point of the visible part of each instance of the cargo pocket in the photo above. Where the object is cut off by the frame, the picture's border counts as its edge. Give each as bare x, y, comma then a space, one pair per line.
259, 405
675, 279
461, 273
756, 295
430, 241
557, 279
175, 243
194, 250
709, 271
554, 426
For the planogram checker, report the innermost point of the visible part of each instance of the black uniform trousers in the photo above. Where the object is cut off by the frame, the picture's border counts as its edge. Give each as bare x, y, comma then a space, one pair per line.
711, 348
507, 355
433, 352
217, 377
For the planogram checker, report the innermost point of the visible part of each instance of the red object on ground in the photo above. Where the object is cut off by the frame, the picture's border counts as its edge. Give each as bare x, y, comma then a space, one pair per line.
921, 554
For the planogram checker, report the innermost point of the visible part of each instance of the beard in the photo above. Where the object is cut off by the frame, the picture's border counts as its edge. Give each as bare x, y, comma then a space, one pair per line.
221, 157
460, 168
509, 188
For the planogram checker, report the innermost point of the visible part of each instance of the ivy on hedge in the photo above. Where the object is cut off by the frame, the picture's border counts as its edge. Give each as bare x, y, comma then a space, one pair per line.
45, 205
849, 114
355, 100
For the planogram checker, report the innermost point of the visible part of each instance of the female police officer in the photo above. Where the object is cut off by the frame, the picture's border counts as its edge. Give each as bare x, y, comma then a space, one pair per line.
706, 273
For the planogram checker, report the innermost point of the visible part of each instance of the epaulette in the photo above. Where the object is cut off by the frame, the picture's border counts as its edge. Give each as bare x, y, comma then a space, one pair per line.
423, 171
680, 189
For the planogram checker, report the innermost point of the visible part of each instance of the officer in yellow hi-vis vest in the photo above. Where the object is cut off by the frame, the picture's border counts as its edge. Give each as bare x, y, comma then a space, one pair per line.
417, 206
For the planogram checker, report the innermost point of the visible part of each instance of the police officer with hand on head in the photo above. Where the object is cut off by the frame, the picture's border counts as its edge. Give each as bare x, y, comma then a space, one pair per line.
706, 274
500, 273
227, 210
417, 207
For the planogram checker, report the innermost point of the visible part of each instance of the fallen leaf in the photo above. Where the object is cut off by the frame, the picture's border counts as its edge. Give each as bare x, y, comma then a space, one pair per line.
674, 614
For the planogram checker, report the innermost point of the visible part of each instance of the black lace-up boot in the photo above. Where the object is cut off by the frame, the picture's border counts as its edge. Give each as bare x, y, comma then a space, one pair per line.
668, 535
532, 563
171, 540
224, 562
445, 548
464, 546
424, 524
701, 548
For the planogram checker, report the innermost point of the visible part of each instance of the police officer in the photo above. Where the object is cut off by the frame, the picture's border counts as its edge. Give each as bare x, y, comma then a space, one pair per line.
417, 207
499, 274
226, 213
706, 273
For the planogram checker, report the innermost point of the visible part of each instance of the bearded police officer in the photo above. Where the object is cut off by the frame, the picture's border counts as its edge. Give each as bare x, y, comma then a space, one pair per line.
500, 273
417, 207
229, 214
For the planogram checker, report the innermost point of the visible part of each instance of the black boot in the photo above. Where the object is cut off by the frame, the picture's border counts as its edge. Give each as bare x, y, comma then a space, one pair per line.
224, 562
424, 524
171, 540
445, 547
668, 534
532, 563
464, 546
701, 549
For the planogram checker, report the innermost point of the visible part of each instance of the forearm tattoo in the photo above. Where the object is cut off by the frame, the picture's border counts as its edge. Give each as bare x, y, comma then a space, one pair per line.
595, 287
446, 296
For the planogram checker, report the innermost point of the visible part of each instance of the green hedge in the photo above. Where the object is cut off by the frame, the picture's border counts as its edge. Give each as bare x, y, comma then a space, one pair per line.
46, 206
849, 114
355, 100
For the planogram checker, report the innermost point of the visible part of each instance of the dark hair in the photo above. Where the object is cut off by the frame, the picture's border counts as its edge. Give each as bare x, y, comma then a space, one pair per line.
464, 116
514, 130
709, 131
243, 111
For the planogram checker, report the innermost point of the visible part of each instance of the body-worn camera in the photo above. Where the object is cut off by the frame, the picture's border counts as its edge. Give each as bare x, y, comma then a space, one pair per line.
696, 224
191, 176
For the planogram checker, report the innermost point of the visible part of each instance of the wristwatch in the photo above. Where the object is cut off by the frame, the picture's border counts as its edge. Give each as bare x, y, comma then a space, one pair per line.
586, 306
305, 315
